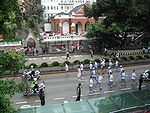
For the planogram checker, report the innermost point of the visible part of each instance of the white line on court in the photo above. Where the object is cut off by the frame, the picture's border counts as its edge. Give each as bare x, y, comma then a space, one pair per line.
65, 101
95, 93
21, 102
109, 91
125, 89
76, 96
61, 98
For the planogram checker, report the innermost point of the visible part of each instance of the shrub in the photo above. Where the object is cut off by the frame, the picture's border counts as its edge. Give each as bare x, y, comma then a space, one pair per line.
106, 59
139, 57
86, 61
34, 65
61, 64
67, 62
97, 60
124, 58
115, 59
55, 63
76, 61
131, 57
44, 64
147, 56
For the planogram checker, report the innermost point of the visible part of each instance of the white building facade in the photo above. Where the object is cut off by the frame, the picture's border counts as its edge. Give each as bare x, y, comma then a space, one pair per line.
52, 7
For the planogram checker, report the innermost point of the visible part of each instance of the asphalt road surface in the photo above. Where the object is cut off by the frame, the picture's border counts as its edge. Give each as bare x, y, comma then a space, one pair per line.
62, 89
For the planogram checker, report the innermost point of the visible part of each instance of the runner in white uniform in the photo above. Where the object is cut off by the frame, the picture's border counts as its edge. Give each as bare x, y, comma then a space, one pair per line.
99, 81
81, 67
121, 69
67, 69
96, 66
109, 70
133, 77
117, 65
110, 77
94, 73
110, 64
91, 67
103, 66
123, 78
79, 75
91, 86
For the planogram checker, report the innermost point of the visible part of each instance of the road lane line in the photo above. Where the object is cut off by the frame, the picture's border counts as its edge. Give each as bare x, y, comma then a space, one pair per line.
50, 58
95, 93
65, 101
61, 98
125, 89
22, 102
37, 100
44, 58
109, 91
143, 86
25, 106
36, 106
76, 96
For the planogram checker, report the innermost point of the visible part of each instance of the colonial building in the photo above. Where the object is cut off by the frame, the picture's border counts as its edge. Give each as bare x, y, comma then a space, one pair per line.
52, 7
68, 31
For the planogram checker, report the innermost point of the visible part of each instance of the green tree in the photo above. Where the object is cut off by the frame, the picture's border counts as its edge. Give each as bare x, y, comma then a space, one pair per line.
121, 19
9, 88
11, 61
10, 18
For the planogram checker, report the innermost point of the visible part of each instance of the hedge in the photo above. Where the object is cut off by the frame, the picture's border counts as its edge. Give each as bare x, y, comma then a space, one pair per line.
131, 57
55, 63
139, 57
44, 64
124, 58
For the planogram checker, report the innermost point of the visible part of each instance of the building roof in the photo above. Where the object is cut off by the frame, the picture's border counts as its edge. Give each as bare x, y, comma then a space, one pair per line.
76, 9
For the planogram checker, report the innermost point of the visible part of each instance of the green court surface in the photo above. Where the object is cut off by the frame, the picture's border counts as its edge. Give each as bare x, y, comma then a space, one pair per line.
122, 103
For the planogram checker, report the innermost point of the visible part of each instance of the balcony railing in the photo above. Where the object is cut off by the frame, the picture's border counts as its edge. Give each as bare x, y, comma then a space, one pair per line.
63, 38
7, 44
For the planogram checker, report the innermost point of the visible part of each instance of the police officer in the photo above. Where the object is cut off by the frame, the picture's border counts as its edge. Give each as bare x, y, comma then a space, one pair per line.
78, 92
42, 97
140, 82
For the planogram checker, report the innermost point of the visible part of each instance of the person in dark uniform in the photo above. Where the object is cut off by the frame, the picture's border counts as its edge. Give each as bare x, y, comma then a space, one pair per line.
78, 92
140, 82
42, 97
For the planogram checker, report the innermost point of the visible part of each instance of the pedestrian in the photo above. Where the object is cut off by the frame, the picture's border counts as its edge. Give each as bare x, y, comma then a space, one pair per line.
121, 69
42, 97
67, 55
99, 81
78, 92
67, 69
110, 64
91, 86
94, 73
110, 77
133, 77
140, 82
105, 52
109, 70
91, 67
79, 75
117, 65
91, 51
96, 66
103, 66
123, 78
81, 67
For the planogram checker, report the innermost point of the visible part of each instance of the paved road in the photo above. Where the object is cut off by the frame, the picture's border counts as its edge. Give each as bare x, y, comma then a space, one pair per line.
61, 89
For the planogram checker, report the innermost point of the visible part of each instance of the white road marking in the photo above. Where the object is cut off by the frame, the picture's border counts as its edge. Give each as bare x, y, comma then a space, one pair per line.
125, 89
143, 86
81, 100
65, 101
21, 102
36, 106
50, 58
37, 100
34, 58
95, 93
44, 58
76, 96
61, 98
25, 106
109, 91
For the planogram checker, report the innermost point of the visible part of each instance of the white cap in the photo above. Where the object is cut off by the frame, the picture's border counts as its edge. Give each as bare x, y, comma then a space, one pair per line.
120, 65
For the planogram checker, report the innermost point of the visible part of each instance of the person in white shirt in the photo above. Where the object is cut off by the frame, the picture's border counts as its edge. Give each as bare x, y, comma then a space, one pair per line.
79, 75
121, 69
133, 77
91, 67
123, 78
103, 66
94, 73
96, 66
99, 81
109, 70
111, 77
91, 86
117, 65
67, 69
110, 64
81, 67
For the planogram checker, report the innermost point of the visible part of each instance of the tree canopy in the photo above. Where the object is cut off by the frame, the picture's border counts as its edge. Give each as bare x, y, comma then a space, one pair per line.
121, 19
10, 18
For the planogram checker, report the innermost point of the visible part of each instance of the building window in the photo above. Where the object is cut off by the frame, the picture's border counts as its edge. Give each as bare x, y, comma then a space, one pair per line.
51, 7
67, 7
47, 7
62, 7
54, 7
57, 7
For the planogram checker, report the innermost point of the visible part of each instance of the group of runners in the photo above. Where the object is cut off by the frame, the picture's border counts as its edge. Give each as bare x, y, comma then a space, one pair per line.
98, 72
